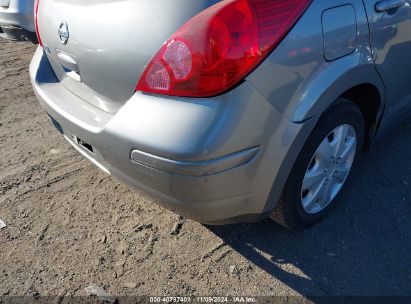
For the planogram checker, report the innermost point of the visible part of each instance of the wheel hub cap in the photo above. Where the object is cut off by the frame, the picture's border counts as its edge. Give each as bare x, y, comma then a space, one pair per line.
328, 169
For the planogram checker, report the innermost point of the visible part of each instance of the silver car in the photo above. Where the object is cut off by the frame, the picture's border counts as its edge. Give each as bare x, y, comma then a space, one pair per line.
17, 20
226, 111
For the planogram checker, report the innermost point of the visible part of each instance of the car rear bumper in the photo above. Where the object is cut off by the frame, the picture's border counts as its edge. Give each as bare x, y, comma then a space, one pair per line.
17, 20
213, 160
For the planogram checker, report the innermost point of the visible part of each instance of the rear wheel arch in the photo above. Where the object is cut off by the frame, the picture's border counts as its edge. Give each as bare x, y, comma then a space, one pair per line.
361, 85
353, 83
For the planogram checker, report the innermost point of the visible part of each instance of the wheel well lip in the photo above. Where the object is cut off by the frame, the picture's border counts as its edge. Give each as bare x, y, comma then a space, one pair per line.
319, 96
371, 130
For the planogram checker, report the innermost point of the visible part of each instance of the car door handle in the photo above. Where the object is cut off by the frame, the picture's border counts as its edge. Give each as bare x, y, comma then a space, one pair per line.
386, 5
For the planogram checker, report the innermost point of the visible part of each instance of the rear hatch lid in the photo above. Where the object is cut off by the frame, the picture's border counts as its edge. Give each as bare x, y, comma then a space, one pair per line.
98, 49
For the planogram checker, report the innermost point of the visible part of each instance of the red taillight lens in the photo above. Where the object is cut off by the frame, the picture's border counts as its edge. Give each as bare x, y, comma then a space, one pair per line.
216, 49
36, 11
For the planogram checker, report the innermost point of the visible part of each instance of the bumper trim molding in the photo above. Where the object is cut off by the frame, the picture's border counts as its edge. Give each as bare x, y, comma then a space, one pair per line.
200, 168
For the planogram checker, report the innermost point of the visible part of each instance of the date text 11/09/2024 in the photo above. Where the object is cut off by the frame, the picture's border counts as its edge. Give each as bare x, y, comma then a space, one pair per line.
233, 299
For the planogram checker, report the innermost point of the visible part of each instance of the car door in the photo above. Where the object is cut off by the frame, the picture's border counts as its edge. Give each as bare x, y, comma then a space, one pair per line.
390, 31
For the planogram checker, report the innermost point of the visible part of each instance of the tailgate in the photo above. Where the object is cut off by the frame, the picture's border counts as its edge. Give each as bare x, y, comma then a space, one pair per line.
99, 48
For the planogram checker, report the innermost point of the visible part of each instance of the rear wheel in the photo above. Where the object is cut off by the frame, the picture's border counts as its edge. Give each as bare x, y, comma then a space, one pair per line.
323, 167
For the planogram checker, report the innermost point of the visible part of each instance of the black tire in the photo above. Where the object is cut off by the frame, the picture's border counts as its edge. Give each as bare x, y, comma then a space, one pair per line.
289, 212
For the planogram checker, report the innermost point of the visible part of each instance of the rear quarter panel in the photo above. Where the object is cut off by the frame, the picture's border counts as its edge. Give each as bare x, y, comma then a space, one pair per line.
298, 80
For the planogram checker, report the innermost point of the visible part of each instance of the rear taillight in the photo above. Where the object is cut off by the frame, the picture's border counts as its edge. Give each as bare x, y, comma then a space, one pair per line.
36, 11
216, 49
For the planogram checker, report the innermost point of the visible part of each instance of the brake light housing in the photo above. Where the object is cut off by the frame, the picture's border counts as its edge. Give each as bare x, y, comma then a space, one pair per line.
218, 48
36, 11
